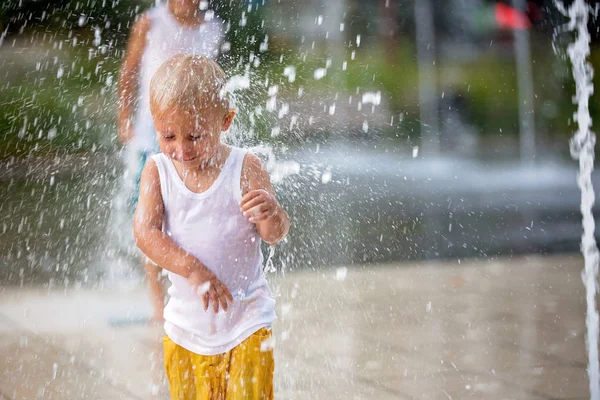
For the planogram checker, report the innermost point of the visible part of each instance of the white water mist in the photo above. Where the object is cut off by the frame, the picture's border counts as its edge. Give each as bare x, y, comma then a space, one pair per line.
582, 149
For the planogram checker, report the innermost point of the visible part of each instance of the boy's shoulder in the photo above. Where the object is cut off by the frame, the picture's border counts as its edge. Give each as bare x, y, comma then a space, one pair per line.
151, 163
150, 171
252, 163
249, 157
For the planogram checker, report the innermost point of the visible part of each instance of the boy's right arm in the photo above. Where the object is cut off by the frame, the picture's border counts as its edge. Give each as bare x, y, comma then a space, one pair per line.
161, 249
129, 76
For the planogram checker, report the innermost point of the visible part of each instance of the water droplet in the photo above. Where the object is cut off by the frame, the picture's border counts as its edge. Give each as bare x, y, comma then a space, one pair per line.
340, 273
372, 98
203, 288
320, 73
290, 72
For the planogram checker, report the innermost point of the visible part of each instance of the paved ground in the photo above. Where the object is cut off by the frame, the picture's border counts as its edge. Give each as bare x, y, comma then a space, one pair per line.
504, 329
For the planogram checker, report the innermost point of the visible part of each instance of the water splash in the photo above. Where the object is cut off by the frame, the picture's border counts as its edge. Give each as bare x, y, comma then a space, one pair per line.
237, 82
3, 35
582, 148
278, 170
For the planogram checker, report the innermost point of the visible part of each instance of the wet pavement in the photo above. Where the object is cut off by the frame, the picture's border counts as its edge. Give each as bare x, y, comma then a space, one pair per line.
512, 328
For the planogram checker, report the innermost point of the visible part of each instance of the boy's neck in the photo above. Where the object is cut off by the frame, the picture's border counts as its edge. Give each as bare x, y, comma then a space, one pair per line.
186, 16
216, 162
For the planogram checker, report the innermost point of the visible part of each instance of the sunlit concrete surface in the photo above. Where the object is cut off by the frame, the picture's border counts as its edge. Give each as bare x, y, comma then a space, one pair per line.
488, 329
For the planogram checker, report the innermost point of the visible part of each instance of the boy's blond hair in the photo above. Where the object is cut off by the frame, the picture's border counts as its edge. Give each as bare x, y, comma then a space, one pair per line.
190, 82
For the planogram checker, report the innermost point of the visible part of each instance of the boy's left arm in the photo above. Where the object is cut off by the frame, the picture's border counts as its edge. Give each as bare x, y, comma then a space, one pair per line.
259, 203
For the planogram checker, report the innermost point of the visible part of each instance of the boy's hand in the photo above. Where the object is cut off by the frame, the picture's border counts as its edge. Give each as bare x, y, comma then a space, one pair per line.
210, 289
258, 205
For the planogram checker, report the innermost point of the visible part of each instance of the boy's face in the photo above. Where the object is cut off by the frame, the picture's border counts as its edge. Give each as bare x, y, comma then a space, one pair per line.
191, 137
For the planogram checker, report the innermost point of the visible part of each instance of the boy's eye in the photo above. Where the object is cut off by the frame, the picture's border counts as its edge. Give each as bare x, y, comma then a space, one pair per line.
168, 137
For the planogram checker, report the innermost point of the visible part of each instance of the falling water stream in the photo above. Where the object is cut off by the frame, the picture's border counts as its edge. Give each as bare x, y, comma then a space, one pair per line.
582, 149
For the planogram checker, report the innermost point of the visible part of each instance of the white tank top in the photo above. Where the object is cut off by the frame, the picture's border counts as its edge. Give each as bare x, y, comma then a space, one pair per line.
166, 38
211, 227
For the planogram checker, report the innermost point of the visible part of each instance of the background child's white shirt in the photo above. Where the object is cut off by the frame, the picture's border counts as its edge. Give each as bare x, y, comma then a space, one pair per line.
211, 227
166, 38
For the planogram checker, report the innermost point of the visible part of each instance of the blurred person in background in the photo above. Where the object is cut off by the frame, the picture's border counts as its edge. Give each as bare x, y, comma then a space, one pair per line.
177, 27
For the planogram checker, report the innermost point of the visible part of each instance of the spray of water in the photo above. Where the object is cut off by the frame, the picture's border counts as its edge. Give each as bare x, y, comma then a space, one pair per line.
582, 148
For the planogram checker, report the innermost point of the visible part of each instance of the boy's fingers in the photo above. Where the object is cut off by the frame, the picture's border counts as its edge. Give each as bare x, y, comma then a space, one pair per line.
224, 292
205, 301
221, 297
227, 294
252, 203
260, 217
213, 299
250, 195
254, 211
224, 305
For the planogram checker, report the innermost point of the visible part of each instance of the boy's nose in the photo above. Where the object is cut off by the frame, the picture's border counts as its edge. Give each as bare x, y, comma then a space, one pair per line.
175, 152
185, 152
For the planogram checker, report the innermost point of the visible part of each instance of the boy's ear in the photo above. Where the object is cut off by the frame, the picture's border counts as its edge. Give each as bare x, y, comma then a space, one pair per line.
228, 119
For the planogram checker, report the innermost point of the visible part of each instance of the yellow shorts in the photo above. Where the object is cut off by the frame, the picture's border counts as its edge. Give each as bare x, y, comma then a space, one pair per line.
243, 373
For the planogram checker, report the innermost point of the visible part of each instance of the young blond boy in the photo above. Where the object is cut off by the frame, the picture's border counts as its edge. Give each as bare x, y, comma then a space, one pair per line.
204, 208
